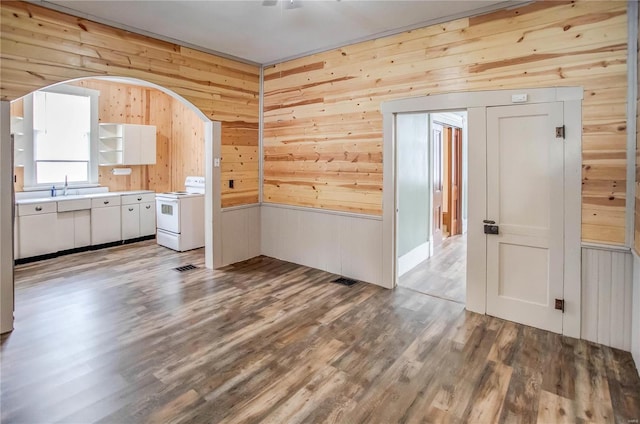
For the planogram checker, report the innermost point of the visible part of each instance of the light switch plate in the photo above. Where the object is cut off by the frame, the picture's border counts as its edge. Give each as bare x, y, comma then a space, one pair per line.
216, 162
519, 98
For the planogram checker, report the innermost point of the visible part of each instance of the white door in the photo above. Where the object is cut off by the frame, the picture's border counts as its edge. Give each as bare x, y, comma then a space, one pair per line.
525, 180
436, 233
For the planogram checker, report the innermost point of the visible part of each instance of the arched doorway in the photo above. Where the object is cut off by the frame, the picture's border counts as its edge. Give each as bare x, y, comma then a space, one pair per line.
212, 149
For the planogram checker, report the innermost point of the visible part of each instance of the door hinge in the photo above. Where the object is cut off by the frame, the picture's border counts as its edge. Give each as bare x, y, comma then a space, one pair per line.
560, 305
560, 132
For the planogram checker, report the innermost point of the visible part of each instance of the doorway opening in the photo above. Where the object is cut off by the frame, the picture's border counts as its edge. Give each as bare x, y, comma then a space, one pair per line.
131, 101
431, 185
521, 155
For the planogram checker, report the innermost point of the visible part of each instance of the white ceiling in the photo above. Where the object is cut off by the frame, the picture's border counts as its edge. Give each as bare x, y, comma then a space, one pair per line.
251, 31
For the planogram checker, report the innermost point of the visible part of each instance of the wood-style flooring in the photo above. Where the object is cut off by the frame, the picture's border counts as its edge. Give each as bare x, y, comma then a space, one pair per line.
118, 336
442, 275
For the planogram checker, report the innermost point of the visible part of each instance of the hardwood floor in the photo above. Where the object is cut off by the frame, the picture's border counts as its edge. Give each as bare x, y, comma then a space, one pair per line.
442, 275
118, 336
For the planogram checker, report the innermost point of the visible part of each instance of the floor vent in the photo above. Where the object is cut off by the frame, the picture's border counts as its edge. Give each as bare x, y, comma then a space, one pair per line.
184, 268
345, 281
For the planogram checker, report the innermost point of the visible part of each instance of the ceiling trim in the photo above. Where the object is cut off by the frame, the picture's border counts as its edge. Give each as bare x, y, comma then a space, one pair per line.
476, 12
72, 12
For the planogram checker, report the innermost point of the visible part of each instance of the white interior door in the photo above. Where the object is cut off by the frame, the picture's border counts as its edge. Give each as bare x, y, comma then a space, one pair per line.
525, 180
437, 132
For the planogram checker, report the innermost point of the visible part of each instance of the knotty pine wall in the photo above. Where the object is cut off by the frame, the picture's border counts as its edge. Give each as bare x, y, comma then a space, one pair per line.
40, 47
322, 121
179, 135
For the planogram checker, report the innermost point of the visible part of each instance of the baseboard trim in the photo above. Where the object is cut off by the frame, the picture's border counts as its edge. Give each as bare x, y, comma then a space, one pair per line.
410, 260
38, 258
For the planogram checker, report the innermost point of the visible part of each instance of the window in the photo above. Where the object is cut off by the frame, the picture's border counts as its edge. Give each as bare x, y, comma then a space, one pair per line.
61, 130
64, 121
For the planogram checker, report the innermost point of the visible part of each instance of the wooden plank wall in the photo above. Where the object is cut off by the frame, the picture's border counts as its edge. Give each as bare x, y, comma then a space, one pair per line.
40, 47
323, 127
179, 135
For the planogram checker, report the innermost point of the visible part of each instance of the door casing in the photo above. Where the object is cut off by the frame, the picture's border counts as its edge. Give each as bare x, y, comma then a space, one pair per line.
476, 103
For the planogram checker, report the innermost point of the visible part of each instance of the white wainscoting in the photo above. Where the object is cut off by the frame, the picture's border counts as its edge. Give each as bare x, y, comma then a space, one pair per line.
411, 259
607, 280
635, 319
345, 244
240, 233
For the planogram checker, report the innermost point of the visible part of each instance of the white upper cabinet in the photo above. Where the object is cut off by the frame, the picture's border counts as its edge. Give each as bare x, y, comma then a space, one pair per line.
127, 144
17, 129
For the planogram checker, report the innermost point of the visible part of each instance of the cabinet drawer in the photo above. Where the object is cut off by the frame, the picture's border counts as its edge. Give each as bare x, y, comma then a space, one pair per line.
105, 202
74, 205
37, 208
133, 199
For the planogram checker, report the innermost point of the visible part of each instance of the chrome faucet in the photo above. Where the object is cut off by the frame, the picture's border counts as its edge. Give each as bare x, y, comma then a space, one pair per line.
66, 186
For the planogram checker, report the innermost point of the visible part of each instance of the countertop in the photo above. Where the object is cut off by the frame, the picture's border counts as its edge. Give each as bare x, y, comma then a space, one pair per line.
80, 196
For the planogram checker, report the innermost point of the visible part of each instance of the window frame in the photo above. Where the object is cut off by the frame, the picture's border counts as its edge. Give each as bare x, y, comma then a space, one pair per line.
30, 177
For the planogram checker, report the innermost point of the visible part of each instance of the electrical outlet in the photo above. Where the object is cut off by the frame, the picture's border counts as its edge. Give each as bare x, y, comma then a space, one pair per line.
230, 183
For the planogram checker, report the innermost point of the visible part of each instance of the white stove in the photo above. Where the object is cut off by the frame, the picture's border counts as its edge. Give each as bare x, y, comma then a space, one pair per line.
180, 216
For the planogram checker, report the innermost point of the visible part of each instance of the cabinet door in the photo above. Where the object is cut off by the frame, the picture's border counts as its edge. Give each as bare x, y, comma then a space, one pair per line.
131, 144
148, 144
105, 226
82, 228
130, 221
65, 232
31, 229
147, 219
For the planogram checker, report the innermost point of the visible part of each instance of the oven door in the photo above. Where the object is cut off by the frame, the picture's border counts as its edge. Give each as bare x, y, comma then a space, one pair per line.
168, 214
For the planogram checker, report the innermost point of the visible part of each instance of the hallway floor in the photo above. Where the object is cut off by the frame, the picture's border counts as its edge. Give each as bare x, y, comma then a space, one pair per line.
444, 274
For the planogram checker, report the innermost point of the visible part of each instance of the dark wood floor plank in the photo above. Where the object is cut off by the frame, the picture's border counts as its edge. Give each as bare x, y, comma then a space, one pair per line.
119, 336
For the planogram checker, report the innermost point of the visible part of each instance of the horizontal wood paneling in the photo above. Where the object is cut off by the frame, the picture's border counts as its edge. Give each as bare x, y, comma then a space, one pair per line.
40, 47
607, 278
240, 163
323, 127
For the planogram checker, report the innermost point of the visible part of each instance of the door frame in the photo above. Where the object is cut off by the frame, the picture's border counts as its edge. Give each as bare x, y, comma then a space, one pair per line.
476, 103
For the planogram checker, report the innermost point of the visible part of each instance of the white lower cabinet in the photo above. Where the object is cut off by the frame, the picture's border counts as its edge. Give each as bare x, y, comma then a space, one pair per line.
55, 226
138, 215
35, 220
130, 221
73, 229
147, 219
105, 220
82, 228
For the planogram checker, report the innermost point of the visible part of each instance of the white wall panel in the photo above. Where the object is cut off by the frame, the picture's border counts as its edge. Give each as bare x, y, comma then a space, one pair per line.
6, 222
607, 296
344, 244
240, 233
635, 319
